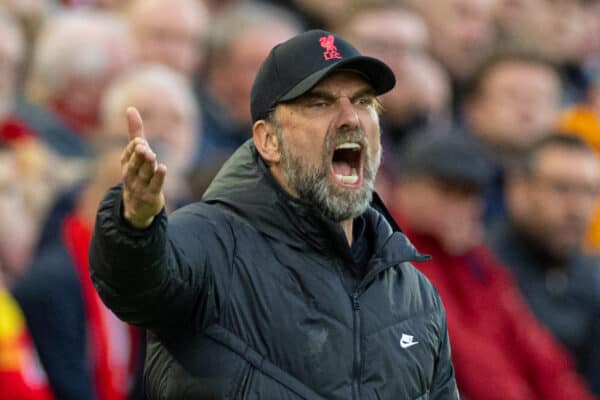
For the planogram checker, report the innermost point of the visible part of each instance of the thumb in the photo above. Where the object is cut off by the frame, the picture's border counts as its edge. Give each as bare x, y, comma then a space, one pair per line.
135, 126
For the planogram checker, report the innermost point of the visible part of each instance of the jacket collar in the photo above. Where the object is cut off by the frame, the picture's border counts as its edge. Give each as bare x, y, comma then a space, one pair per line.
245, 185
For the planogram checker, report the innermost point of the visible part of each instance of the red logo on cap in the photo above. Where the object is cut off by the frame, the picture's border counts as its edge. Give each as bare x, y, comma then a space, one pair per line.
331, 52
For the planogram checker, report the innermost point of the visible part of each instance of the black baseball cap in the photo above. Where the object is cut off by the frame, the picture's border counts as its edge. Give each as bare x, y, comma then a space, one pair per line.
295, 66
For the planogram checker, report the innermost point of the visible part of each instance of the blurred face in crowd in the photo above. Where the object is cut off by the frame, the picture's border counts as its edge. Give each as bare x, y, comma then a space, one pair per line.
329, 145
170, 32
232, 75
568, 29
591, 40
169, 125
557, 28
513, 15
25, 8
517, 103
81, 98
76, 57
333, 12
562, 33
17, 227
461, 32
10, 56
449, 211
399, 38
432, 81
554, 204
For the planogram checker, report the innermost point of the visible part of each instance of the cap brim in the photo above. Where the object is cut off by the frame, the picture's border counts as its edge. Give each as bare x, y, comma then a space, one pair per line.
378, 74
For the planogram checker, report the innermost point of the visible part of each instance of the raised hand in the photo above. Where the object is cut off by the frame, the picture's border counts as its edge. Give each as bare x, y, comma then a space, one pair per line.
143, 177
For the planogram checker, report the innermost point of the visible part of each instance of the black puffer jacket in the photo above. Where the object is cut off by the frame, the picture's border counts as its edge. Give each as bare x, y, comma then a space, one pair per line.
250, 295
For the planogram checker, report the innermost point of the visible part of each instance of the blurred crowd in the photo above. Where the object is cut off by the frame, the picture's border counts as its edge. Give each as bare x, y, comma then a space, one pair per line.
491, 142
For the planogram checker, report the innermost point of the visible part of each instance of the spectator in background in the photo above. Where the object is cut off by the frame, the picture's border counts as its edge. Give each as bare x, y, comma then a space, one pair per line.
12, 53
499, 350
64, 315
166, 101
239, 41
21, 375
399, 36
461, 36
591, 50
550, 200
559, 30
170, 32
514, 99
30, 172
85, 350
30, 16
316, 14
583, 120
18, 226
77, 55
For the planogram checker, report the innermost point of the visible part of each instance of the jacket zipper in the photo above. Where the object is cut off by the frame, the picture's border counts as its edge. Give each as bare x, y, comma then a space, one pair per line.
357, 349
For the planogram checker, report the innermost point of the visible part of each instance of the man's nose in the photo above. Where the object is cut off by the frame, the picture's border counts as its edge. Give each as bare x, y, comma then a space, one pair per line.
347, 115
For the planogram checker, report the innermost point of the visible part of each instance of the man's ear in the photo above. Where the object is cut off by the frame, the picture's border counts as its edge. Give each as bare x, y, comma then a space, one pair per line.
266, 141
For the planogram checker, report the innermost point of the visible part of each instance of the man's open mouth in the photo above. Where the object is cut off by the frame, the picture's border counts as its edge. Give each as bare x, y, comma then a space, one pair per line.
346, 164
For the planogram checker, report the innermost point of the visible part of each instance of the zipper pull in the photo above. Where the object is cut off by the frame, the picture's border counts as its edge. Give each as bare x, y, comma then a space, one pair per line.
355, 302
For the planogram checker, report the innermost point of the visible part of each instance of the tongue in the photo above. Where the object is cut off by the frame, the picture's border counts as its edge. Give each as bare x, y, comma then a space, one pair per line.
341, 168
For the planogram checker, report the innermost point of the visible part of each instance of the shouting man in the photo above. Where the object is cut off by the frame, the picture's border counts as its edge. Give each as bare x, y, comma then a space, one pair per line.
289, 280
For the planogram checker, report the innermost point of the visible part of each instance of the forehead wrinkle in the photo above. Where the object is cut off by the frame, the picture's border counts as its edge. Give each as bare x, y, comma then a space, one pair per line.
323, 92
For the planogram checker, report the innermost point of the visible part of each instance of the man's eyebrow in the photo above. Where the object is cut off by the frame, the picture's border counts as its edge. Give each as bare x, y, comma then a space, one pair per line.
366, 91
318, 94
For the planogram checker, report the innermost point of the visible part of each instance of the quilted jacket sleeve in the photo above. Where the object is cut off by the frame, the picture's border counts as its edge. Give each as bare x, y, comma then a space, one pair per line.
444, 382
161, 277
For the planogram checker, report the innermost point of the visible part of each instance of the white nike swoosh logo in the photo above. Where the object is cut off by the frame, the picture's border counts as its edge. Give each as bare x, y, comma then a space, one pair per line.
405, 345
407, 341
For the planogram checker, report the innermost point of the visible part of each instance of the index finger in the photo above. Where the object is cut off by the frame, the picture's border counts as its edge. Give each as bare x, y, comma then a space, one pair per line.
134, 123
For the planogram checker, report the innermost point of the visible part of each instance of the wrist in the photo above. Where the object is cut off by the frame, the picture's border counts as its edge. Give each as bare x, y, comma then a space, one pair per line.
136, 221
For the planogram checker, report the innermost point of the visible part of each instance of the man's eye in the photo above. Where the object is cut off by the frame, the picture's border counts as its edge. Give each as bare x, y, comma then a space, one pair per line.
319, 104
364, 101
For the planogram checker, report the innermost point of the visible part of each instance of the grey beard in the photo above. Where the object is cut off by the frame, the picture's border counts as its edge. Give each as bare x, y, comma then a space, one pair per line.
312, 184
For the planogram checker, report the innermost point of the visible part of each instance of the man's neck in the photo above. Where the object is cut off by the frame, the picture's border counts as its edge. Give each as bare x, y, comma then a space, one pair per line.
347, 227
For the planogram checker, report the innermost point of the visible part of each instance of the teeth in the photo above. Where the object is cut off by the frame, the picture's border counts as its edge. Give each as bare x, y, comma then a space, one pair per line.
349, 145
349, 179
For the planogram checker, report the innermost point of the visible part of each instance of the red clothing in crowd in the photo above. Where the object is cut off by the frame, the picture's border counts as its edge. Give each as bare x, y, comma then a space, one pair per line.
113, 343
13, 129
500, 351
21, 375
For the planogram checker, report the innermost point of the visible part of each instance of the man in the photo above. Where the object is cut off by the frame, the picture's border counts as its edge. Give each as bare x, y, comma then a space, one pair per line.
86, 352
21, 375
583, 120
563, 31
514, 100
461, 35
284, 283
166, 101
63, 98
550, 201
171, 33
496, 343
238, 40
